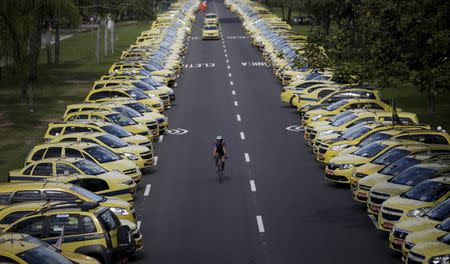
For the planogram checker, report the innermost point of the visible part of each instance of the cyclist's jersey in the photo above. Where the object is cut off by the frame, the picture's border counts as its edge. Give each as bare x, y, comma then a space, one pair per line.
220, 148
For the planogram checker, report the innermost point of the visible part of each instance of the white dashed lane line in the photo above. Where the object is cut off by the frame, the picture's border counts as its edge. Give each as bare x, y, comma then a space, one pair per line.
138, 226
235, 103
231, 83
229, 74
252, 186
260, 224
147, 189
160, 138
233, 92
238, 117
247, 157
242, 135
156, 160
228, 67
227, 61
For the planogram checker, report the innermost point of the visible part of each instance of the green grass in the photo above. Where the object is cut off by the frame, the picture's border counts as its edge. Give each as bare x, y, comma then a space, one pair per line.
22, 127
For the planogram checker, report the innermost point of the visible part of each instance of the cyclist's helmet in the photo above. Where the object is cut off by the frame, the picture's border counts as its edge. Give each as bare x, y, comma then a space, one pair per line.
219, 139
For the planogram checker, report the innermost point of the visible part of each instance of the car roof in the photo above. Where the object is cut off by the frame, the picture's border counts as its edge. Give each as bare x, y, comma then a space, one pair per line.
33, 185
83, 134
81, 122
60, 159
80, 145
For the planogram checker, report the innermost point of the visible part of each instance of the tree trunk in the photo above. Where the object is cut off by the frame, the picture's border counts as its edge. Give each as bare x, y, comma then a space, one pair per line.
431, 102
97, 45
27, 91
57, 43
289, 15
282, 12
48, 43
35, 50
106, 38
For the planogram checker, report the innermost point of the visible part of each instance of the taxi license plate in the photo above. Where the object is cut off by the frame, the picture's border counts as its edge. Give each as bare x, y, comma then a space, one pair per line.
388, 225
398, 241
375, 208
362, 195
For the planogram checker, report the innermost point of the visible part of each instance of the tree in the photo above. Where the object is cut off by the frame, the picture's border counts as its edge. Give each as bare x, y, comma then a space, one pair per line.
21, 22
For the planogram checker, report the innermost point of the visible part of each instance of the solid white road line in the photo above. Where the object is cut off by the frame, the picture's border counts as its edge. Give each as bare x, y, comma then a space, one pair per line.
231, 83
156, 160
161, 138
252, 185
242, 135
138, 225
235, 103
147, 189
247, 157
233, 92
260, 224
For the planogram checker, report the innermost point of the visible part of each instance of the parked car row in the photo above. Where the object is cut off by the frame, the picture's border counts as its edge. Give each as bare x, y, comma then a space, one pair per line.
78, 187
395, 166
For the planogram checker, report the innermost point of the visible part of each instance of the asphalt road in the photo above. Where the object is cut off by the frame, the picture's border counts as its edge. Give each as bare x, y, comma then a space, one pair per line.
287, 214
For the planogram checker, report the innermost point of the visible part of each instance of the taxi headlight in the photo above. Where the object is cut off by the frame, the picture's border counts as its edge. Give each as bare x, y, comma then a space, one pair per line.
316, 117
346, 166
130, 156
121, 211
440, 259
338, 147
418, 212
326, 132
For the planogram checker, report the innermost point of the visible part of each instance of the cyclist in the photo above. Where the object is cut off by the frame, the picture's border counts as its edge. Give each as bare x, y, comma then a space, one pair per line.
219, 151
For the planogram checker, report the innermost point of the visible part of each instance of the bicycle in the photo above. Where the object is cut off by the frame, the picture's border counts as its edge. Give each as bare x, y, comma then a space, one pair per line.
219, 169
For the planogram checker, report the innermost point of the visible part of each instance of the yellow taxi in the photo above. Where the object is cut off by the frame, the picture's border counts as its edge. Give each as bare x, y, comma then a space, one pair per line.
148, 119
105, 94
142, 156
115, 118
61, 128
406, 180
211, 18
86, 228
56, 191
46, 169
210, 31
429, 219
361, 192
90, 151
312, 94
161, 92
341, 168
168, 76
413, 203
431, 250
25, 249
343, 105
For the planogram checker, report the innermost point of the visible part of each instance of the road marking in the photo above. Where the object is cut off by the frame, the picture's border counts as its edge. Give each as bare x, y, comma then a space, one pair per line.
199, 65
242, 135
252, 185
374, 221
225, 50
229, 74
227, 61
175, 84
238, 117
254, 64
147, 189
161, 138
235, 103
237, 37
156, 160
295, 128
176, 131
247, 157
226, 55
231, 83
228, 67
233, 92
260, 224
138, 225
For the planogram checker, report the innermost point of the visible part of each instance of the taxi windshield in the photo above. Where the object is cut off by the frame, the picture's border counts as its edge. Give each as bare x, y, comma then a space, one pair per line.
121, 120
413, 176
112, 141
373, 138
343, 120
139, 107
440, 212
101, 154
88, 194
391, 156
370, 150
42, 255
398, 166
117, 131
336, 105
127, 111
89, 167
356, 133
137, 94
210, 27
428, 191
